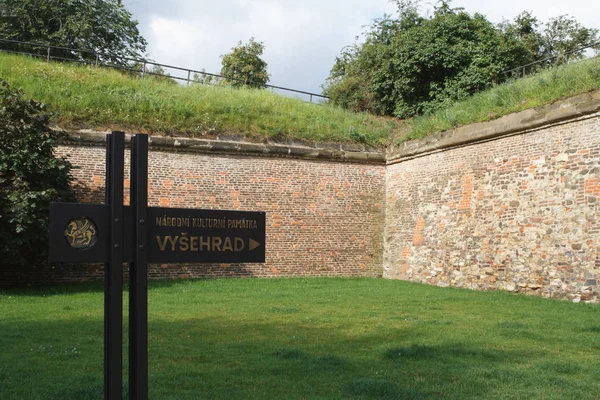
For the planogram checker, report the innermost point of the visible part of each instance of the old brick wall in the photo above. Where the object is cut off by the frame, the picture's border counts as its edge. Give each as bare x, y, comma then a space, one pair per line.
324, 217
511, 204
519, 212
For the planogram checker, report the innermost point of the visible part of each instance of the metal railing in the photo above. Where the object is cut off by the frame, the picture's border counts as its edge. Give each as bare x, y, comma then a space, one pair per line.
139, 66
521, 71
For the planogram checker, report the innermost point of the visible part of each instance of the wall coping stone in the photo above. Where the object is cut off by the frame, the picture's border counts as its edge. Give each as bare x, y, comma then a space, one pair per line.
516, 123
521, 122
344, 152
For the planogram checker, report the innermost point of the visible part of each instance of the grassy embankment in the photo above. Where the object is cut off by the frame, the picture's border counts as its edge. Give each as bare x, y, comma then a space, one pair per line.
87, 97
308, 339
522, 94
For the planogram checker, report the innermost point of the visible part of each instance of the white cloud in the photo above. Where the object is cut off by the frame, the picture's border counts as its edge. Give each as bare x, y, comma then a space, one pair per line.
585, 11
174, 40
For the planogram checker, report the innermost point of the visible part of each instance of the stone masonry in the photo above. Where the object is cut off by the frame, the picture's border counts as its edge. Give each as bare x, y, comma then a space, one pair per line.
517, 212
324, 213
510, 204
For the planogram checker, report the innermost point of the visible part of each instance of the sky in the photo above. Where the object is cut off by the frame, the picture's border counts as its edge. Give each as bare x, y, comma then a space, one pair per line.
301, 37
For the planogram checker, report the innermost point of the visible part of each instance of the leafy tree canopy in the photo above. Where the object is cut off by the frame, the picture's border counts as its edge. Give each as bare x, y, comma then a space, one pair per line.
30, 178
411, 64
100, 25
245, 66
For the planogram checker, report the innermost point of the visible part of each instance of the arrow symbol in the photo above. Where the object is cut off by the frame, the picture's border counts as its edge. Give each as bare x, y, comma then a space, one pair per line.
253, 244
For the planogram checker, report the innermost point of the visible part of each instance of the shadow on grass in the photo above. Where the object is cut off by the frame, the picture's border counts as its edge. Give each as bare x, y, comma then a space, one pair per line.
40, 290
54, 289
225, 358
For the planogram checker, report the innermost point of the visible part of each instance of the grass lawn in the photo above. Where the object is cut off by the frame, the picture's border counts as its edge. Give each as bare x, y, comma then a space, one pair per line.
100, 98
308, 339
537, 90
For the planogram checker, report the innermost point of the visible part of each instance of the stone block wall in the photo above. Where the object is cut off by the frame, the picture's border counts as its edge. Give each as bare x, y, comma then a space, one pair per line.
510, 204
518, 212
324, 215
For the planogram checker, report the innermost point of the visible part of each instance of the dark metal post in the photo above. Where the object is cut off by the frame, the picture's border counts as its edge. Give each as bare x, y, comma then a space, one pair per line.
113, 274
107, 186
138, 272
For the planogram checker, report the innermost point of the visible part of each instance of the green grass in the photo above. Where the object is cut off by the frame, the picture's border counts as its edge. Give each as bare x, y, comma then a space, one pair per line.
87, 97
522, 94
308, 339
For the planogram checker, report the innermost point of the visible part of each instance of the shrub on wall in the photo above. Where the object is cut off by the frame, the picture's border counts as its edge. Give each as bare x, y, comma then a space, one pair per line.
30, 177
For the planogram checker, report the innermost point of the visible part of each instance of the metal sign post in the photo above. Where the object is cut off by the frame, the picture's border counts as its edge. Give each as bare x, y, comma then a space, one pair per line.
114, 234
138, 272
113, 279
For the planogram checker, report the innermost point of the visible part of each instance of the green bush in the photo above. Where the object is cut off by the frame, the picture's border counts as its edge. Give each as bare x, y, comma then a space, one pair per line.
352, 93
245, 66
30, 177
412, 64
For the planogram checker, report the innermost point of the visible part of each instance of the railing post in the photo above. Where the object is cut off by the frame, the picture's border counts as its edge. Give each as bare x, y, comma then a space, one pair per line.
96, 64
48, 56
523, 72
188, 80
143, 70
311, 98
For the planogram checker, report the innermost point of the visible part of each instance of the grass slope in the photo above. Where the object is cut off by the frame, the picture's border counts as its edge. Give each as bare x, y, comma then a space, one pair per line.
103, 98
308, 339
522, 94
85, 97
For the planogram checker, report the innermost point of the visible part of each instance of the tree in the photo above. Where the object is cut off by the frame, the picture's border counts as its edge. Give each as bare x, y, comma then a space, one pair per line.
244, 66
30, 178
525, 29
103, 26
560, 39
351, 81
564, 37
410, 64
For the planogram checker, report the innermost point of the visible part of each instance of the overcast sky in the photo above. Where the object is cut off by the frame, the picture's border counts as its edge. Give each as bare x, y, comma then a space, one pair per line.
301, 37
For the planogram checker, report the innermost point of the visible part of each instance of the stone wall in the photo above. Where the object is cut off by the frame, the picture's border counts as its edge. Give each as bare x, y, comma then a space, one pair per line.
324, 205
511, 205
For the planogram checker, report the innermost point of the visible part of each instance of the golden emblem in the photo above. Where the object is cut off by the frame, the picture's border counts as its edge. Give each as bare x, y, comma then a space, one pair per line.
81, 233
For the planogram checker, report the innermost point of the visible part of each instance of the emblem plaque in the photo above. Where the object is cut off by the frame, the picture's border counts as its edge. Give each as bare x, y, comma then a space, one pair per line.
81, 233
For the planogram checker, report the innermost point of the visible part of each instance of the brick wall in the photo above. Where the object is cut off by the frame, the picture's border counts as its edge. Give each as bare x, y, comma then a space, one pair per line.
324, 218
511, 204
517, 213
